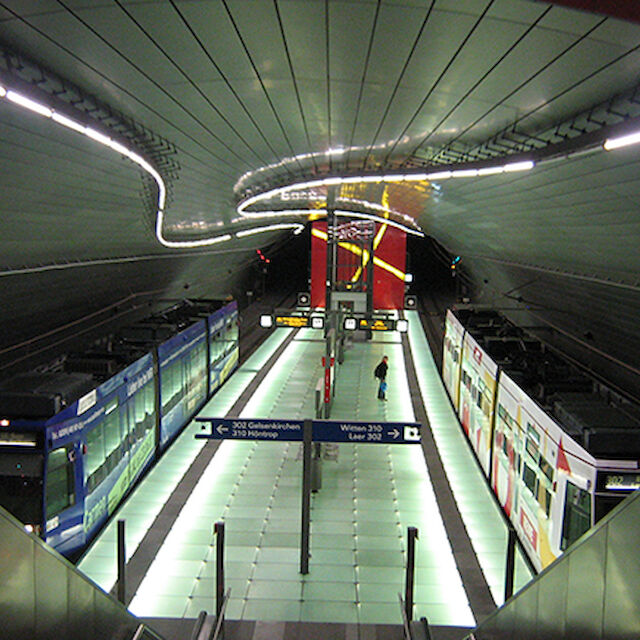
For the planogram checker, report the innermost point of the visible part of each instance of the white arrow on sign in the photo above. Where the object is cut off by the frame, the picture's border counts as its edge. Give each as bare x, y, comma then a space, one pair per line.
222, 430
395, 433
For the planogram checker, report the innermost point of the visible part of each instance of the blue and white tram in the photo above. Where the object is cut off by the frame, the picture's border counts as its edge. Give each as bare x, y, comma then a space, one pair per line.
71, 449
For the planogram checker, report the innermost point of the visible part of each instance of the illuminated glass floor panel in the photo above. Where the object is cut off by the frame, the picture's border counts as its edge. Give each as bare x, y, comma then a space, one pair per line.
147, 500
478, 509
369, 495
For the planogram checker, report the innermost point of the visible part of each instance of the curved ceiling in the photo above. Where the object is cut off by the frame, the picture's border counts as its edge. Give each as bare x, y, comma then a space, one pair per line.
230, 98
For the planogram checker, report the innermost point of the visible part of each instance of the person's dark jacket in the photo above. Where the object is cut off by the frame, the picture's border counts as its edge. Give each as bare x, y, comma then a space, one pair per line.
381, 370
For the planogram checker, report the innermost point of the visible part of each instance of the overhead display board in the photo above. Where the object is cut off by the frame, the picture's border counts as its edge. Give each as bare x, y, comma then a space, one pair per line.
294, 322
377, 324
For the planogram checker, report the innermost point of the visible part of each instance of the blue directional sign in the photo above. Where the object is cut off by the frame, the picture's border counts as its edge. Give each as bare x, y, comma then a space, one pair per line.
252, 429
371, 432
323, 430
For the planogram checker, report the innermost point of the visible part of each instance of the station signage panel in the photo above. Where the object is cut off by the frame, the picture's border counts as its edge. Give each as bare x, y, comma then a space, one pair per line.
323, 430
617, 481
252, 429
366, 432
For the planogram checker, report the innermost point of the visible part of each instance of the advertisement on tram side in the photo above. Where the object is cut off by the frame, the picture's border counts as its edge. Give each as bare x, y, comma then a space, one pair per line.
223, 344
100, 445
451, 356
541, 476
477, 397
183, 378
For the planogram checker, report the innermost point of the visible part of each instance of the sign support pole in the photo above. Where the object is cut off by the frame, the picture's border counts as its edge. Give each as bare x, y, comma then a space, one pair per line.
218, 529
511, 563
412, 534
122, 563
306, 496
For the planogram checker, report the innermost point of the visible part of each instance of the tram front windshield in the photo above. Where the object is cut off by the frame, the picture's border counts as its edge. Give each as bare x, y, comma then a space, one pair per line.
21, 477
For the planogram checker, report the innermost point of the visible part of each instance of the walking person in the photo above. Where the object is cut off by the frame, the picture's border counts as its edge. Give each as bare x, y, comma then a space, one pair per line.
380, 372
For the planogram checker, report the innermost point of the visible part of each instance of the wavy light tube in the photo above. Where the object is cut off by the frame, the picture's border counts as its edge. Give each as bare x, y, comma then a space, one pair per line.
64, 120
105, 140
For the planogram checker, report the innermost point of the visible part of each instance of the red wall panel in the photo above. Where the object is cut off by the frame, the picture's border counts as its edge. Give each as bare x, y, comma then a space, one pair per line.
388, 289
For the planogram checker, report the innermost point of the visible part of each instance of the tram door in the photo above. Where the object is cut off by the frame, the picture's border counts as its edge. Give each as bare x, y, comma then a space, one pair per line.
576, 518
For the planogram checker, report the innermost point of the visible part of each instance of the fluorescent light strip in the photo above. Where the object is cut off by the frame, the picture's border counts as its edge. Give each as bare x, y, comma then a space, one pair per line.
519, 166
390, 178
97, 136
105, 140
286, 212
342, 212
489, 171
272, 227
464, 173
378, 207
27, 103
67, 122
621, 141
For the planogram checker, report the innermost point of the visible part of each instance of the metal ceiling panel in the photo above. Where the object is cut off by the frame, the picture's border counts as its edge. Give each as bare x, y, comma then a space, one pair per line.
247, 94
64, 197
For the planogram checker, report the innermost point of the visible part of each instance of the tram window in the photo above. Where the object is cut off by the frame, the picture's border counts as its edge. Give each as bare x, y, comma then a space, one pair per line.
60, 484
141, 411
486, 405
546, 468
95, 457
148, 410
533, 442
216, 346
112, 435
577, 514
530, 478
544, 499
233, 329
172, 387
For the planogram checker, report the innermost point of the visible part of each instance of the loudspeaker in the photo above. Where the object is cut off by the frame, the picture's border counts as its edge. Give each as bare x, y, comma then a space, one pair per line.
410, 302
304, 299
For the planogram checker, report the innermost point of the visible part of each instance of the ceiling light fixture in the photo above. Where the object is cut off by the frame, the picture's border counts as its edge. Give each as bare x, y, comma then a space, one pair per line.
295, 226
27, 103
621, 141
67, 122
45, 111
489, 171
103, 139
525, 165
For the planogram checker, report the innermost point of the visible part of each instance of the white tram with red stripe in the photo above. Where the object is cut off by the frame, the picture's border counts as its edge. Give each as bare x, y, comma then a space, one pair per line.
557, 453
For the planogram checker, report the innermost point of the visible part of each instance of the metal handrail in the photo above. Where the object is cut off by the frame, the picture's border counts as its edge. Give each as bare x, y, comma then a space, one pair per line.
220, 620
406, 627
143, 631
197, 627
